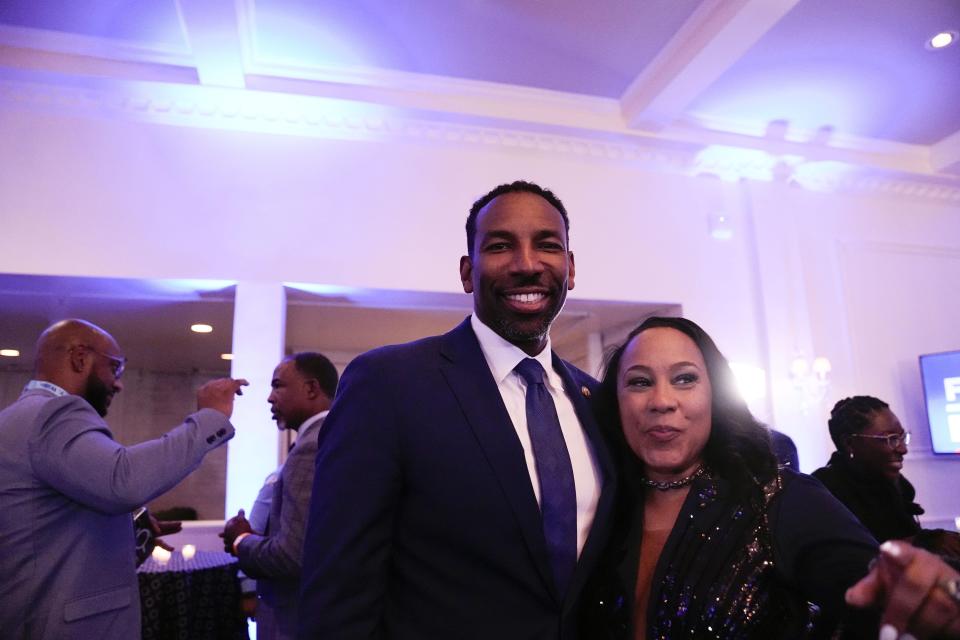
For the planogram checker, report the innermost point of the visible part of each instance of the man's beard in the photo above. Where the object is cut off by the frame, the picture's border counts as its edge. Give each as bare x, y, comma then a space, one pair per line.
513, 332
97, 394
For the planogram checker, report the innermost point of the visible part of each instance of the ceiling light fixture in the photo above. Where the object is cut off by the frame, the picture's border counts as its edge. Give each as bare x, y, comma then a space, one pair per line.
720, 227
942, 39
9, 353
201, 328
226, 356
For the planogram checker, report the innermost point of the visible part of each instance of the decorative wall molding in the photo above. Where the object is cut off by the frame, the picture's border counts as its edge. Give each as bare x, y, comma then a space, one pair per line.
902, 372
300, 115
938, 251
333, 118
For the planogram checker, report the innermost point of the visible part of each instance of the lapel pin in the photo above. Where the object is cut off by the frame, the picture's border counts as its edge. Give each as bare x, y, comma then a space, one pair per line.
585, 391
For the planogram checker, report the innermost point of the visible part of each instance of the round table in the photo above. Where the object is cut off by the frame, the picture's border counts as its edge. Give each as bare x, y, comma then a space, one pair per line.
196, 599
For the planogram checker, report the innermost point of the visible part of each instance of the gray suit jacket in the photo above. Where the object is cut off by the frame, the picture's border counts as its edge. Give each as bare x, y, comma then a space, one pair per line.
274, 558
67, 489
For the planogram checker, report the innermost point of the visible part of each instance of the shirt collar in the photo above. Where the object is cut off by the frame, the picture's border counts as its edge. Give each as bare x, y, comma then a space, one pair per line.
311, 420
308, 424
502, 356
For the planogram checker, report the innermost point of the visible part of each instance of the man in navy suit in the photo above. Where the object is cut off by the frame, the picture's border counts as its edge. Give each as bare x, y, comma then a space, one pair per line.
425, 518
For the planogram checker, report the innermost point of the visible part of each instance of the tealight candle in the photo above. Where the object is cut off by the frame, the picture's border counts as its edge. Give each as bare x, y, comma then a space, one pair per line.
188, 551
161, 555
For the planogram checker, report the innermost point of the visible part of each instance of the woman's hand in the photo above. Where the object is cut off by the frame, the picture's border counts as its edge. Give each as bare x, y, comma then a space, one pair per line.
918, 592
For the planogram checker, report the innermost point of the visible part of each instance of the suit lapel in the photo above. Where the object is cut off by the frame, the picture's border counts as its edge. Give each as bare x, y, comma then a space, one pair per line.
578, 395
469, 377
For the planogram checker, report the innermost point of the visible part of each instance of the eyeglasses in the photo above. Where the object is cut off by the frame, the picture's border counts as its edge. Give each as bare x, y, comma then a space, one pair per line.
893, 440
117, 364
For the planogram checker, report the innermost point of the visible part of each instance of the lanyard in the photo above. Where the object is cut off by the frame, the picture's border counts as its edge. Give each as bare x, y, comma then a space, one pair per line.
45, 386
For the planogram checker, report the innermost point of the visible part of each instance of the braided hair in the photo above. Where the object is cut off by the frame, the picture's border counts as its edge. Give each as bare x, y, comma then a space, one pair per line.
852, 415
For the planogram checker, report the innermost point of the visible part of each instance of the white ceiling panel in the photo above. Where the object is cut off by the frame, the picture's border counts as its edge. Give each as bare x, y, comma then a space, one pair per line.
144, 21
859, 68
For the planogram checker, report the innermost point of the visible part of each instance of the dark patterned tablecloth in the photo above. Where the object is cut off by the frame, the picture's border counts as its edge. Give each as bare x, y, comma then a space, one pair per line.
196, 599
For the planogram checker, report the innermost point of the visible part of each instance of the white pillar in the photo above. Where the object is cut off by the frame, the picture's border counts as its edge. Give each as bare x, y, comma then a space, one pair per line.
259, 322
594, 354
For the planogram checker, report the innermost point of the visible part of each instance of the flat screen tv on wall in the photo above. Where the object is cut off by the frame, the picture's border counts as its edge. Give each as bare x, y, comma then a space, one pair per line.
941, 390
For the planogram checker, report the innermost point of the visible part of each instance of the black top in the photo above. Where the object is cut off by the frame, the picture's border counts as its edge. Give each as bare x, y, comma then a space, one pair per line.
885, 507
773, 563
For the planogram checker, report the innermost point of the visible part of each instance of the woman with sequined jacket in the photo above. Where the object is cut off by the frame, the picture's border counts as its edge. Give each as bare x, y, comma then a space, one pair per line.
712, 539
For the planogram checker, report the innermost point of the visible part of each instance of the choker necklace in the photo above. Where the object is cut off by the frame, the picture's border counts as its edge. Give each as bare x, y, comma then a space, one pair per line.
673, 484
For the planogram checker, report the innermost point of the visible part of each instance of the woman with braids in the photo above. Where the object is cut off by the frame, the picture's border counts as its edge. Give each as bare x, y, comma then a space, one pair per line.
864, 473
712, 539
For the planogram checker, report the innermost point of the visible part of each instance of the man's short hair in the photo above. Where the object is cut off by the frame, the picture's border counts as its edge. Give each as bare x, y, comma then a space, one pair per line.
518, 186
316, 366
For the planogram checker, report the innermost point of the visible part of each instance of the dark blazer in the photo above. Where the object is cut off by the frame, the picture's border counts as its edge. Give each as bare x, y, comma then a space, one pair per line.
423, 522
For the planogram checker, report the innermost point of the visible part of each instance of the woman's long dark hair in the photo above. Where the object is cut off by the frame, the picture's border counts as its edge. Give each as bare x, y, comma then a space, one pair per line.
738, 448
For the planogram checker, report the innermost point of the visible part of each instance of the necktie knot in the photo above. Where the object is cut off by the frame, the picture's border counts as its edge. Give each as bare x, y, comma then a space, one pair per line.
531, 371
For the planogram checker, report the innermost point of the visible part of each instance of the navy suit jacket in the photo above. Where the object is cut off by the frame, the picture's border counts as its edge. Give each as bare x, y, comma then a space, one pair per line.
423, 521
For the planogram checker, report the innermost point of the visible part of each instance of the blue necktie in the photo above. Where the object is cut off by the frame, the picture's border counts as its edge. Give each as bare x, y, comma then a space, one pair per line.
558, 496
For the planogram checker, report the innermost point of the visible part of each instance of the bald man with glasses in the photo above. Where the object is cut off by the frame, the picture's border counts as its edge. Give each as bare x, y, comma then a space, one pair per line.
67, 488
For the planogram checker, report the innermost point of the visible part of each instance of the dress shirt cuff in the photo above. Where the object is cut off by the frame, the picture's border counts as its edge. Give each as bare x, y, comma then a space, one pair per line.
236, 541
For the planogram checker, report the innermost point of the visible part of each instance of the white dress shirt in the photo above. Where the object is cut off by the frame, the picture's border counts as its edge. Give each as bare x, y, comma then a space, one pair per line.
502, 357
309, 422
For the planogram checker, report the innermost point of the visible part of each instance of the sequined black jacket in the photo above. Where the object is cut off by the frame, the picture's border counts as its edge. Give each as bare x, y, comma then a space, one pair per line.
773, 562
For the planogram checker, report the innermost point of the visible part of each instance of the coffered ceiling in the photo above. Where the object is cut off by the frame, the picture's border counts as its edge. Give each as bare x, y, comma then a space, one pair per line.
839, 80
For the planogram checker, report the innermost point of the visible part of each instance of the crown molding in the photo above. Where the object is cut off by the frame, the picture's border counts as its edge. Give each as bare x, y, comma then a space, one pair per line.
311, 116
299, 114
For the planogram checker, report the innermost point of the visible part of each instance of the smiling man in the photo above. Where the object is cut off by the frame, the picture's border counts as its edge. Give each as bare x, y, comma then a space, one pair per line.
462, 489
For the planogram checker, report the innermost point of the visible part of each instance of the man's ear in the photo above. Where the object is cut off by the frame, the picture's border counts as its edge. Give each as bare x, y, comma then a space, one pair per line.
572, 272
466, 273
313, 387
78, 359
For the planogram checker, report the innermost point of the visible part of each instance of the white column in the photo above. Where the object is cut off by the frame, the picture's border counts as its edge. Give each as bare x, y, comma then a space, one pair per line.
594, 357
259, 322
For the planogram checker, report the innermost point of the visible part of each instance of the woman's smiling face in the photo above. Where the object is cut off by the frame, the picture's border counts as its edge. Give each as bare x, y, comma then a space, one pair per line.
665, 399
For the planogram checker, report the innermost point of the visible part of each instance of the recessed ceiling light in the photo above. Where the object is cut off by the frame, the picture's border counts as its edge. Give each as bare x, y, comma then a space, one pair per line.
226, 356
942, 39
201, 328
9, 353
